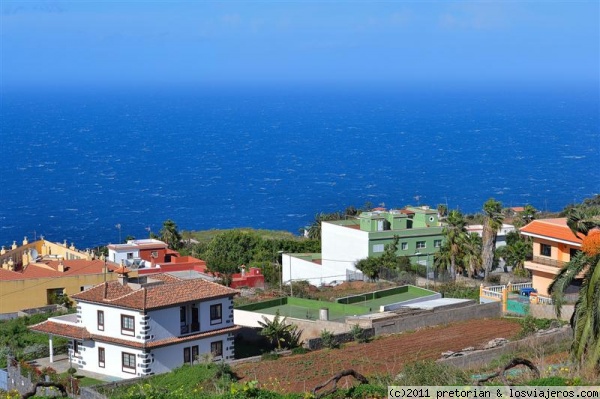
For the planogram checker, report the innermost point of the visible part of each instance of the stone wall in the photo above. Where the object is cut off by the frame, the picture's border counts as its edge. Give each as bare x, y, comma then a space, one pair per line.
436, 317
483, 357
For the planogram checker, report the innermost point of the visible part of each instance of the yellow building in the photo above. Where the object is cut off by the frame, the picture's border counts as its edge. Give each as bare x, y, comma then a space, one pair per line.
553, 246
35, 273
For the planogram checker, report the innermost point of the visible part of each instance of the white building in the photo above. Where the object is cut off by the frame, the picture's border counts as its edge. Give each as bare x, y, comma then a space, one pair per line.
146, 325
345, 242
500, 238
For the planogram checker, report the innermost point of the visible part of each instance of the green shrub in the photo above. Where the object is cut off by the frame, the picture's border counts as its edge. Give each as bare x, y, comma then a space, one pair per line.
431, 373
530, 324
270, 356
299, 350
328, 340
358, 334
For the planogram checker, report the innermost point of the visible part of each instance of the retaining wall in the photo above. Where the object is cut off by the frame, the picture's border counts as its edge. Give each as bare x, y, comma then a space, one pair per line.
541, 311
481, 358
436, 317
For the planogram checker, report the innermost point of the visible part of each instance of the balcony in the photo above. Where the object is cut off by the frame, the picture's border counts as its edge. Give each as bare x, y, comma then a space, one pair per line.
189, 328
542, 260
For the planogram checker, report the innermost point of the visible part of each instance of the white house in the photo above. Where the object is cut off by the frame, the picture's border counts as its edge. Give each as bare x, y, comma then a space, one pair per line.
500, 237
146, 325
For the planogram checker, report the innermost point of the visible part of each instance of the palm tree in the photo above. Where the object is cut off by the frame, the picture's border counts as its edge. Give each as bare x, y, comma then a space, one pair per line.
586, 317
454, 232
314, 230
471, 256
170, 235
493, 219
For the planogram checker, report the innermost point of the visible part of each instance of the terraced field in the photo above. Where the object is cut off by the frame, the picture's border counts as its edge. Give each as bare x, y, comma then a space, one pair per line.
388, 354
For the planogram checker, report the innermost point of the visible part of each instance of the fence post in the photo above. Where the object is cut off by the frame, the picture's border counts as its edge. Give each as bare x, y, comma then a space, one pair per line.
480, 290
504, 299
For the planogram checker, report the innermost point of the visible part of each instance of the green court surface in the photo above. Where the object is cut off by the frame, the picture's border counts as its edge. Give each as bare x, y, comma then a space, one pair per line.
307, 309
376, 299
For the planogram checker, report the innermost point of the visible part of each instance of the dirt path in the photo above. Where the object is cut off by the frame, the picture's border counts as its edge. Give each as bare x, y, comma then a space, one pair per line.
386, 355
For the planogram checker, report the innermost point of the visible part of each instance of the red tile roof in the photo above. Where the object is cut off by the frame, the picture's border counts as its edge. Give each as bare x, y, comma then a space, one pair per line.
168, 292
551, 229
45, 269
61, 329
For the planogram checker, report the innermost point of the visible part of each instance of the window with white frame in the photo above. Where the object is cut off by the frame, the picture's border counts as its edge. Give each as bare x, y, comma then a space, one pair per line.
437, 243
421, 245
378, 248
101, 357
404, 246
216, 348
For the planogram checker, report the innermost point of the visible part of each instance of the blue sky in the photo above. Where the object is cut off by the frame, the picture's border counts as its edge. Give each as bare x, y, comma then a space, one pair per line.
88, 43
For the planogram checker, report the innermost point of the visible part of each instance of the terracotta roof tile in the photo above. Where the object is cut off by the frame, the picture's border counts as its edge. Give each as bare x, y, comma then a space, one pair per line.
169, 291
551, 229
44, 269
61, 329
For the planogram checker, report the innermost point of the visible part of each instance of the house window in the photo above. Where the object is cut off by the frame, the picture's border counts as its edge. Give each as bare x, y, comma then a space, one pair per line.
216, 348
127, 326
404, 246
378, 248
545, 250
187, 359
75, 346
195, 353
128, 362
129, 255
182, 315
437, 243
421, 245
101, 357
101, 320
216, 314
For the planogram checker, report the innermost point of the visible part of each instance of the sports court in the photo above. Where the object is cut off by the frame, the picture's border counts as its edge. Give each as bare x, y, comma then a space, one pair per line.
308, 309
374, 300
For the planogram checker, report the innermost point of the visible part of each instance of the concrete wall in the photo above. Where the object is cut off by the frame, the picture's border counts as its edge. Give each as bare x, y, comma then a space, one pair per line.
436, 317
394, 306
297, 268
481, 358
547, 311
342, 246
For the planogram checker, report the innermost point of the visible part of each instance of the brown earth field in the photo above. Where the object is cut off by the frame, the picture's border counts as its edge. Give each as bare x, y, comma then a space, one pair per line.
384, 355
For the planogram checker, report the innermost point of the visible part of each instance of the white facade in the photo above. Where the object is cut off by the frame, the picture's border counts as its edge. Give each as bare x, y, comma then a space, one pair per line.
296, 268
342, 247
127, 342
500, 238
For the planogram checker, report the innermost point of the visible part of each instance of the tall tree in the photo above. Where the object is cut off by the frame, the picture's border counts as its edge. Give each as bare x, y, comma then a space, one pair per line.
454, 233
170, 235
471, 256
493, 219
229, 250
586, 317
314, 230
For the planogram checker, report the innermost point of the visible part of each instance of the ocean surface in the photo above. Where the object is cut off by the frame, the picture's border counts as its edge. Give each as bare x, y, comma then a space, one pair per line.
75, 164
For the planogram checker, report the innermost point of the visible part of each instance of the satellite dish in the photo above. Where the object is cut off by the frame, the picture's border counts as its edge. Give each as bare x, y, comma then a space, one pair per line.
34, 254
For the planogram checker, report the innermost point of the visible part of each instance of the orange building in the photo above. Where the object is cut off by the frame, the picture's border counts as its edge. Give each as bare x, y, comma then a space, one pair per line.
553, 246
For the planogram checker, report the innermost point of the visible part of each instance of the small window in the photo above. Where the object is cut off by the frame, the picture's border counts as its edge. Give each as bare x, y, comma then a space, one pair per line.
101, 320
182, 315
378, 248
216, 348
545, 250
195, 353
404, 246
101, 357
127, 325
437, 243
75, 346
128, 362
187, 359
216, 315
421, 245
129, 255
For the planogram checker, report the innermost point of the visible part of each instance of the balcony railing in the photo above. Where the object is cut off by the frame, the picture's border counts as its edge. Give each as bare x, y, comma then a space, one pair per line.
548, 261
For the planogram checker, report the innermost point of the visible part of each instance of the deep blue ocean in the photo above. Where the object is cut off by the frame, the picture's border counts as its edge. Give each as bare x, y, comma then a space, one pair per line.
75, 164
